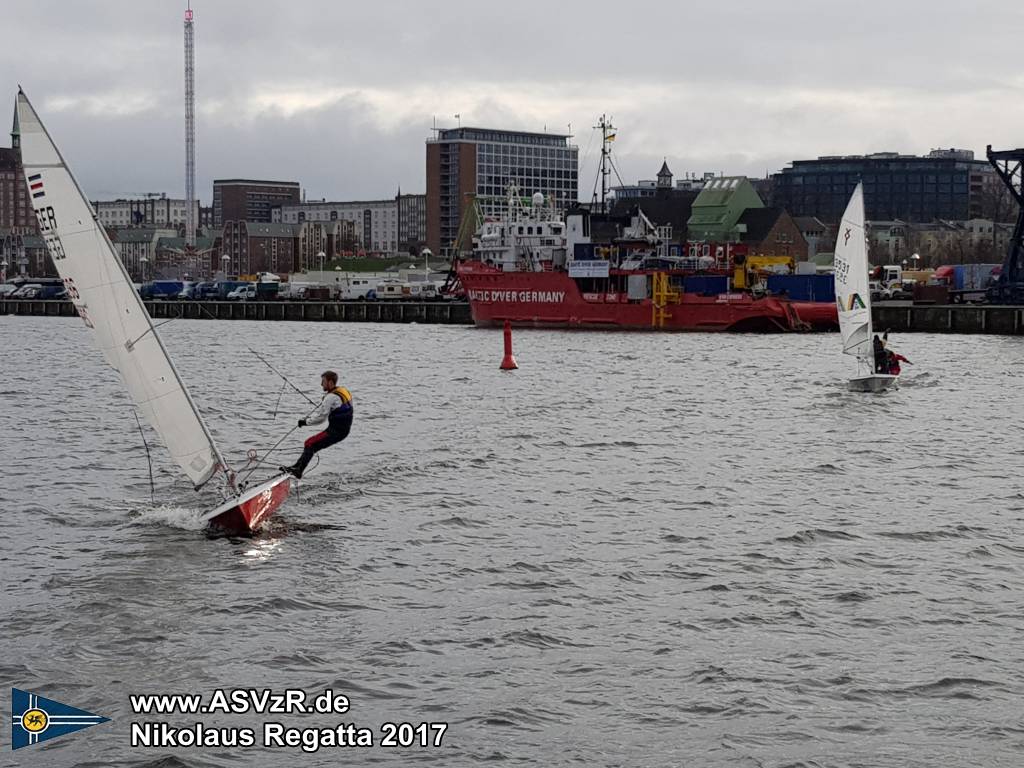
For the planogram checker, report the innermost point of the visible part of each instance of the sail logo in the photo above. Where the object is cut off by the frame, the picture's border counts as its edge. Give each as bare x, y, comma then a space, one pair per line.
846, 237
35, 184
853, 301
35, 719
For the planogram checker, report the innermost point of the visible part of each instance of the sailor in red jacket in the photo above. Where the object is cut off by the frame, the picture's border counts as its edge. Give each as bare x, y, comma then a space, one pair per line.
336, 410
893, 359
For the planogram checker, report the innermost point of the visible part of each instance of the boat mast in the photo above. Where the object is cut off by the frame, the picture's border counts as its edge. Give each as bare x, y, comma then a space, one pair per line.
607, 135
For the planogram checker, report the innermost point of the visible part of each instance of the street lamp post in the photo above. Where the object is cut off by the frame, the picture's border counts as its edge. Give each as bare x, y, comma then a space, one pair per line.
3, 271
321, 256
142, 266
227, 265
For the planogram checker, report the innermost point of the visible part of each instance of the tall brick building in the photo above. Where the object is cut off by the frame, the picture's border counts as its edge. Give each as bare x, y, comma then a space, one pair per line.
250, 199
254, 247
16, 213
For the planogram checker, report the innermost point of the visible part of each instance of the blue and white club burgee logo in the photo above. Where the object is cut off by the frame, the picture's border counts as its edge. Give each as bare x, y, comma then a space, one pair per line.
35, 719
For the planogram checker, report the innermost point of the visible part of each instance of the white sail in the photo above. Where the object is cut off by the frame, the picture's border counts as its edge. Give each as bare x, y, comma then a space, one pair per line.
853, 296
107, 301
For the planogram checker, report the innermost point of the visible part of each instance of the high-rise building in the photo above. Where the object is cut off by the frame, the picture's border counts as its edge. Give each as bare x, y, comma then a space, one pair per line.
412, 223
16, 213
945, 184
249, 199
480, 163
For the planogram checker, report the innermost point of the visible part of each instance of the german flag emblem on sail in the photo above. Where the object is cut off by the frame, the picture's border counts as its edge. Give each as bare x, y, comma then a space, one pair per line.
35, 185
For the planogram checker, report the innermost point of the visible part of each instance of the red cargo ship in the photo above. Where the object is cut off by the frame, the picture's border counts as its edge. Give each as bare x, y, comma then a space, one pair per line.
521, 272
554, 300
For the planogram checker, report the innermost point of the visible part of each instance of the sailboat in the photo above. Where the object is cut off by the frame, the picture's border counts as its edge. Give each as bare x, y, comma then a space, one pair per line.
104, 297
853, 298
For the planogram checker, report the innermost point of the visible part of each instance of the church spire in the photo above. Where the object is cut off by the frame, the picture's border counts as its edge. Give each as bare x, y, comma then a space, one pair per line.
664, 176
15, 131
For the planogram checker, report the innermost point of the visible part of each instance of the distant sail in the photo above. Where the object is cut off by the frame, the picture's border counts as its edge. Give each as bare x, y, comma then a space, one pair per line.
853, 296
107, 301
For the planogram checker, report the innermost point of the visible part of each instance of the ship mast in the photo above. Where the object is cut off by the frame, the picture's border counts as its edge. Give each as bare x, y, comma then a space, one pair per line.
607, 136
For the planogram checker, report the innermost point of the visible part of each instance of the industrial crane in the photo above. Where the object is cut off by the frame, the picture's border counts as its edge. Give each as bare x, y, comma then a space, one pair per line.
1009, 288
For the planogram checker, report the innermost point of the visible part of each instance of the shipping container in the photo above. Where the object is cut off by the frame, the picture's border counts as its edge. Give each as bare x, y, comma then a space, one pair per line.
803, 287
706, 285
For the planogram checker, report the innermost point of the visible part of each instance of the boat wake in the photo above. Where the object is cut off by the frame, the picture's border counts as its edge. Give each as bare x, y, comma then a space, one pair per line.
186, 518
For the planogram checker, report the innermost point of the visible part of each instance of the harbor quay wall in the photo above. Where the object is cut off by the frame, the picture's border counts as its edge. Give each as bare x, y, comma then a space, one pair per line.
950, 318
904, 318
436, 312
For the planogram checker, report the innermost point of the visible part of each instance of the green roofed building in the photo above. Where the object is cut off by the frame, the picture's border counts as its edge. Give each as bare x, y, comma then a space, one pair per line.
715, 215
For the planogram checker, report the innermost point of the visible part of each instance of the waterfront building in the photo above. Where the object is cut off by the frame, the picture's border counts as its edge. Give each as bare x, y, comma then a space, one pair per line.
152, 210
772, 232
464, 164
819, 236
389, 226
16, 214
174, 261
136, 247
250, 199
944, 184
718, 208
253, 247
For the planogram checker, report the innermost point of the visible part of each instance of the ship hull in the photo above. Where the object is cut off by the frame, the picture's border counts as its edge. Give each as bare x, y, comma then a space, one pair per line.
553, 300
247, 512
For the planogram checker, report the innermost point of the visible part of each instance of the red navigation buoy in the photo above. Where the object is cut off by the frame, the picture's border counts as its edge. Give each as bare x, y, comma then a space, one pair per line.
508, 363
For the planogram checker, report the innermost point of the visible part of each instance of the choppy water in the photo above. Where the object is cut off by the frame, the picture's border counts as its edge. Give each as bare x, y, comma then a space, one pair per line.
637, 550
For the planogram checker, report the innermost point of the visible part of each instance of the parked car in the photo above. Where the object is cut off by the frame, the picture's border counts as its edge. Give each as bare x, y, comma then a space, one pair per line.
27, 291
161, 289
205, 290
243, 293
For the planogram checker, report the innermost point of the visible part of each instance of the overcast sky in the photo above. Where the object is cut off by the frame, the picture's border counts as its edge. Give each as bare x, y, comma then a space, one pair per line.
341, 95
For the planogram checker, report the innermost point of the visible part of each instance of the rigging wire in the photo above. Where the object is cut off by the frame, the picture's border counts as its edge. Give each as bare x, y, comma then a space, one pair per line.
270, 450
278, 403
267, 454
149, 459
258, 357
261, 359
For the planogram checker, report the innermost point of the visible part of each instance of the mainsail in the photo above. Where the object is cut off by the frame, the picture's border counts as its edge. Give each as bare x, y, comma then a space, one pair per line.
853, 296
105, 298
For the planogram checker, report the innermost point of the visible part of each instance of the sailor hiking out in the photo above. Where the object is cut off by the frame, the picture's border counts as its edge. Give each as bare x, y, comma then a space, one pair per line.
336, 410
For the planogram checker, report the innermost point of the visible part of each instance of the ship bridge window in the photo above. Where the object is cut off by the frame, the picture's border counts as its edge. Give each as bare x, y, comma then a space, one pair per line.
529, 230
520, 230
556, 229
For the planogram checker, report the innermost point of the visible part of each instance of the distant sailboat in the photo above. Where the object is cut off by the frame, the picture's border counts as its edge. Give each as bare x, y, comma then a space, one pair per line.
106, 300
853, 298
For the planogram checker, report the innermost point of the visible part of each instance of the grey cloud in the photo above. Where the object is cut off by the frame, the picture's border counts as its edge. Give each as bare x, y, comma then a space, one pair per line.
742, 87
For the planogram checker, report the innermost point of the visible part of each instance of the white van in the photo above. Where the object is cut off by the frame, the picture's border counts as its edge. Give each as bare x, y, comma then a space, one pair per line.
243, 293
356, 288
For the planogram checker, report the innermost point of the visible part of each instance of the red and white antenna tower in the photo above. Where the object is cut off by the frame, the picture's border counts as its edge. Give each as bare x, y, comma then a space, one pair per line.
190, 132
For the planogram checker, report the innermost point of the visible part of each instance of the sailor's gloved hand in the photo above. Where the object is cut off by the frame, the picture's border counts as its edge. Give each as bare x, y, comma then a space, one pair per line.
302, 422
